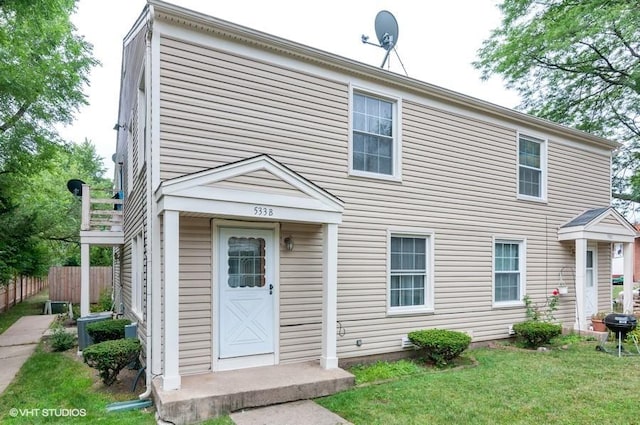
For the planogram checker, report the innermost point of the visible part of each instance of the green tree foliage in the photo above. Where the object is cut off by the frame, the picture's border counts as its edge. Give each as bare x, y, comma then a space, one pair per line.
42, 219
44, 66
576, 62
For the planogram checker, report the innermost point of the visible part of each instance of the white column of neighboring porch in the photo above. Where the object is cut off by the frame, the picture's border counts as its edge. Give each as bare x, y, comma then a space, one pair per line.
85, 262
627, 289
581, 278
171, 224
329, 358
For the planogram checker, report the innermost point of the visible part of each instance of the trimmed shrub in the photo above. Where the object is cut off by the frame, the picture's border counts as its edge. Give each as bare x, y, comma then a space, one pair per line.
534, 334
107, 330
440, 345
62, 340
110, 357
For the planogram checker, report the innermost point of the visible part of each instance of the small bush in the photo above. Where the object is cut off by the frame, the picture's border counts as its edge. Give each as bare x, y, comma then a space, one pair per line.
62, 340
105, 303
110, 357
107, 330
440, 345
534, 334
629, 338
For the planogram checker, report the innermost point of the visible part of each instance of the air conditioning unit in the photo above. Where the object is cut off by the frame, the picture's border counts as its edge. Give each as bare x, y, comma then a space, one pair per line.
84, 340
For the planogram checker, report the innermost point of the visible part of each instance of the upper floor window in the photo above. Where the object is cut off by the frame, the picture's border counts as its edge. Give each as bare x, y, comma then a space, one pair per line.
374, 147
141, 115
531, 167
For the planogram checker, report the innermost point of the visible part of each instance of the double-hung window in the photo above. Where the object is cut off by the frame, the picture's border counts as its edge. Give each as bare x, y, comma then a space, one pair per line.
409, 273
508, 271
374, 148
531, 167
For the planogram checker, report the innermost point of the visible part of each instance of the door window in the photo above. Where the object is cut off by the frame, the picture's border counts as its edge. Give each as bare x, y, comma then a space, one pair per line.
246, 264
590, 277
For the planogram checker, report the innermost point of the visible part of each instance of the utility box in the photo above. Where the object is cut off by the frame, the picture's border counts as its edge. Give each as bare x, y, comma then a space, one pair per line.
84, 340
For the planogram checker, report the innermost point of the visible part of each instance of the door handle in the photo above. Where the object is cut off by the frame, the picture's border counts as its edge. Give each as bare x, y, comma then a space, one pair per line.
270, 289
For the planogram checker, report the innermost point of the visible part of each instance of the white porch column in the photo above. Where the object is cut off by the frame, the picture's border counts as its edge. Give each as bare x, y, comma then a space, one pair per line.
171, 375
581, 274
329, 358
628, 258
85, 262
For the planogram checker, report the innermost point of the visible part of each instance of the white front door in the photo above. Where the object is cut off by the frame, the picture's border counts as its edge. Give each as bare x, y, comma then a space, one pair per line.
247, 292
591, 285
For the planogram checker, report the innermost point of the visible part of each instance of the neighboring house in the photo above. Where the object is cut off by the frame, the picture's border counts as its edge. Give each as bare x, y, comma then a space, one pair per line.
285, 205
617, 260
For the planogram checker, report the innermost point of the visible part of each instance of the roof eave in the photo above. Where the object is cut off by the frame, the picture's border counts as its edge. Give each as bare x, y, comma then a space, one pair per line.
249, 35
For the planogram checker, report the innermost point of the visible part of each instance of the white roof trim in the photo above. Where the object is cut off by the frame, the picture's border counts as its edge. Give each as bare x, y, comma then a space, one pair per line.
264, 40
596, 230
194, 193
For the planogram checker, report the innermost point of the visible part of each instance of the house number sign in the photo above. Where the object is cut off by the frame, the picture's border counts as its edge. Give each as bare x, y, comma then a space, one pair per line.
262, 212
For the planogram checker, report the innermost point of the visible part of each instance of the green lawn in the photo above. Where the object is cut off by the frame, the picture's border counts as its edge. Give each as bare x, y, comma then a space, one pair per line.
30, 306
507, 386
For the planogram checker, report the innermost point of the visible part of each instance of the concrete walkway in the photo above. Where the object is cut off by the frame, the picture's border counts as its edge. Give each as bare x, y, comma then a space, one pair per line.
304, 412
18, 343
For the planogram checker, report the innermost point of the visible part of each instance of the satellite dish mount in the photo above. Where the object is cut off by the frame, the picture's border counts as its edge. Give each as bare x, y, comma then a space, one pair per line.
387, 32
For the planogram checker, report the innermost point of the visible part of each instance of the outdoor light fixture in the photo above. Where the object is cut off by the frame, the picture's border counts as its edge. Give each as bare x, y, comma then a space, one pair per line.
288, 243
119, 126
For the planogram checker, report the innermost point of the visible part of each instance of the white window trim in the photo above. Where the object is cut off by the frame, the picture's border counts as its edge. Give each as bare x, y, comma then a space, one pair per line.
522, 266
544, 143
129, 164
141, 113
396, 134
429, 292
137, 254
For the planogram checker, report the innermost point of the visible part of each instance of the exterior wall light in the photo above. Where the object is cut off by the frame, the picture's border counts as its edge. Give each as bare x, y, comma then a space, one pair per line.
288, 243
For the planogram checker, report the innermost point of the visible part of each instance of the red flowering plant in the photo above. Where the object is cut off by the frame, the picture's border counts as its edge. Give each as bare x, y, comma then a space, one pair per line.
545, 312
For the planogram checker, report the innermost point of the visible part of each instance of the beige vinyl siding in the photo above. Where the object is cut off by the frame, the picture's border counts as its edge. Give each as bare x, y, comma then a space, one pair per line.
260, 181
301, 293
218, 108
459, 181
605, 290
134, 206
610, 220
195, 295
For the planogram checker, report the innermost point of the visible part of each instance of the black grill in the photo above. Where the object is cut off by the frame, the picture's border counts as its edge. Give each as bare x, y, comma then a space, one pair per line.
620, 323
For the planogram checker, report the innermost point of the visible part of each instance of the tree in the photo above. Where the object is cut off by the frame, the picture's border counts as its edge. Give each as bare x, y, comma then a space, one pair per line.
42, 219
575, 62
44, 66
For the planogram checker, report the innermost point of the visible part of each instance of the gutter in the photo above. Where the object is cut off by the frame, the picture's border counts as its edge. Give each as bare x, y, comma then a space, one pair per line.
251, 36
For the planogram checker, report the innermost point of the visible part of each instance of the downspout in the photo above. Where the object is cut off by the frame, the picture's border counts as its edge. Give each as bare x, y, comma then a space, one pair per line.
150, 276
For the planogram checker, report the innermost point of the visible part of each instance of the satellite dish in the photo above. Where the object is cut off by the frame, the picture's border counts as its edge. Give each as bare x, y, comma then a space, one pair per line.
386, 31
75, 186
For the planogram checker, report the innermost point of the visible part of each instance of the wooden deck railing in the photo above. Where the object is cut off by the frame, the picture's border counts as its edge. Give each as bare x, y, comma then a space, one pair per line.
102, 214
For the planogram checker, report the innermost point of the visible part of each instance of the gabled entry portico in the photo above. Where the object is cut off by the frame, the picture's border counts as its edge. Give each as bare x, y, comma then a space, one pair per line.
597, 225
246, 201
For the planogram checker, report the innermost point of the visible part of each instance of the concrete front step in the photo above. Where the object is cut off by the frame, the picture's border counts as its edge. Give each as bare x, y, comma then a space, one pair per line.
213, 394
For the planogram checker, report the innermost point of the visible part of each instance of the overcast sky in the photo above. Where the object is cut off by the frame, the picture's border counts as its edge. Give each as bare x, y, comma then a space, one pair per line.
437, 42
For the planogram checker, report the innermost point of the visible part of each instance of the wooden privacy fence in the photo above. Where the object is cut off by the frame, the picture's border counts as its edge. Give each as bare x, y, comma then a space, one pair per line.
19, 289
64, 283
